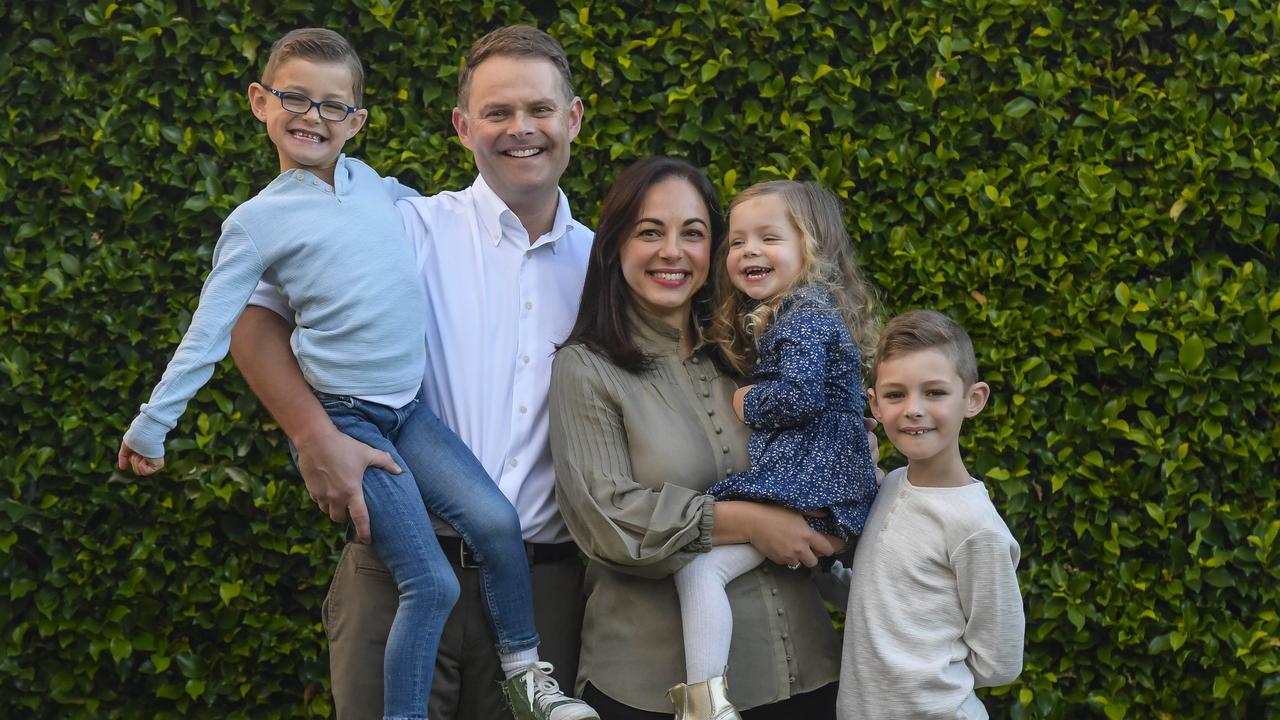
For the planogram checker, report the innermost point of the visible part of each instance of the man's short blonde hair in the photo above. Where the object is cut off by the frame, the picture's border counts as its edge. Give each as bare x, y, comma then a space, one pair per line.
514, 41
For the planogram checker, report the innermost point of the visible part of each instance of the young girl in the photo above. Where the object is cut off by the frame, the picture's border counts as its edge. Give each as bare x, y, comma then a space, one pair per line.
793, 315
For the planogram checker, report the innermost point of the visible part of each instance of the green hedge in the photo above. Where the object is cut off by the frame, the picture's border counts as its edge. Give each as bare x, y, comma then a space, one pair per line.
1089, 187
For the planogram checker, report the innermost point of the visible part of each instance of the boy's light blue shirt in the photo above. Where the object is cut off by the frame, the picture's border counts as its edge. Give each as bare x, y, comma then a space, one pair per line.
340, 257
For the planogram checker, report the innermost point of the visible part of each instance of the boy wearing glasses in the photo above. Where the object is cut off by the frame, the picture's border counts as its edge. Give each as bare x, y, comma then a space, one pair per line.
327, 234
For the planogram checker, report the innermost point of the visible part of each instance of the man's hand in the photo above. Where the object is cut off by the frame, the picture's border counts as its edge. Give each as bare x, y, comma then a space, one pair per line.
333, 466
128, 458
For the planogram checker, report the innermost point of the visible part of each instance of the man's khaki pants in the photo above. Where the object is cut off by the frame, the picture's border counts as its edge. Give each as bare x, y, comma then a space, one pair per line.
361, 605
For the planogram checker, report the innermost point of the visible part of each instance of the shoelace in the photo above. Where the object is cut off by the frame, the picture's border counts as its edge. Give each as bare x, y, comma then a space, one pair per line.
546, 684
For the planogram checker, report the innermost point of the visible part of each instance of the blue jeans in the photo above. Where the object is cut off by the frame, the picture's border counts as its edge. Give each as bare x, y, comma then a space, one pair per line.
440, 476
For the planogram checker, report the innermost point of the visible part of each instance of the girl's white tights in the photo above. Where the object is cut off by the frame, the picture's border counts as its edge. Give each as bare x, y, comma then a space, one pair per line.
704, 607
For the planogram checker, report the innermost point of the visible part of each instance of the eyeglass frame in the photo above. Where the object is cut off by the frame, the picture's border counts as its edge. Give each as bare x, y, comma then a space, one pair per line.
318, 105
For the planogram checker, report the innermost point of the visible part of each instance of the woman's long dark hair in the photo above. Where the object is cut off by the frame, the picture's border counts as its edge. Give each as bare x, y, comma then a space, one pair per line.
603, 322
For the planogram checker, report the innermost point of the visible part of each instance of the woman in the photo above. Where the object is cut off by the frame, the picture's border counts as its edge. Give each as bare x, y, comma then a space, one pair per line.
641, 424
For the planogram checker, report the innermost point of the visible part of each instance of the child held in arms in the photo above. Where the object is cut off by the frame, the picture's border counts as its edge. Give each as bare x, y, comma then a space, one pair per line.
327, 233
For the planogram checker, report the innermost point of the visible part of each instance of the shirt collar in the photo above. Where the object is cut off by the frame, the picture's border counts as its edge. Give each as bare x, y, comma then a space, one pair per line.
341, 176
655, 336
498, 221
342, 172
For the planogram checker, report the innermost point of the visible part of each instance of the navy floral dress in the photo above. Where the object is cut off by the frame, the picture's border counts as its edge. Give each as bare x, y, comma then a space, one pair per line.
808, 447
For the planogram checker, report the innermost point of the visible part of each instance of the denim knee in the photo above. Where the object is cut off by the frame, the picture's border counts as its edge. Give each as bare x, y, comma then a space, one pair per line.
438, 588
493, 530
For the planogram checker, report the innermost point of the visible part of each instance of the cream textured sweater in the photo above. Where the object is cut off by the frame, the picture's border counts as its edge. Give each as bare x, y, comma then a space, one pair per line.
934, 607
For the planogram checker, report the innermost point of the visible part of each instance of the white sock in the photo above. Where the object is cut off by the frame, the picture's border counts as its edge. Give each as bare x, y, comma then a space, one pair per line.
517, 662
704, 607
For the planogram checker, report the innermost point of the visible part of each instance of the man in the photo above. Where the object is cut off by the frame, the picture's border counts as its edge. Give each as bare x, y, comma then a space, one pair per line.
503, 263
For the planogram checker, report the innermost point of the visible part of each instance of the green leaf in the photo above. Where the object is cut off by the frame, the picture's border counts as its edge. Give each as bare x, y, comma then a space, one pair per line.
230, 591
120, 649
1191, 354
1147, 340
1018, 107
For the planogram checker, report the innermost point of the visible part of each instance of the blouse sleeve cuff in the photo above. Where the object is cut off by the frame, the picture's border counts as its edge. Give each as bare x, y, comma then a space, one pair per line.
706, 523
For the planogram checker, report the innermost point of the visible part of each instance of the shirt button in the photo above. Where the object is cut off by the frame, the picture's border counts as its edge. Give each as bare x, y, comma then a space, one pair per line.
528, 306
523, 409
706, 393
724, 449
779, 611
711, 411
515, 462
297, 174
785, 636
702, 377
727, 473
774, 591
792, 678
693, 360
719, 430
525, 359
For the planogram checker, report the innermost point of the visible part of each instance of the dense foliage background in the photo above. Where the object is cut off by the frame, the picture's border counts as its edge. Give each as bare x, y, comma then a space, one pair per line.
1089, 187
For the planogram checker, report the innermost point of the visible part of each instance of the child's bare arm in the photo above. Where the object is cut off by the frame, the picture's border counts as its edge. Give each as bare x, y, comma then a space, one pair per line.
739, 397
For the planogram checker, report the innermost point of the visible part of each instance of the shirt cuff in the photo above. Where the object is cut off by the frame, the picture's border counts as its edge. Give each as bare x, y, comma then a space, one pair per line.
146, 436
706, 524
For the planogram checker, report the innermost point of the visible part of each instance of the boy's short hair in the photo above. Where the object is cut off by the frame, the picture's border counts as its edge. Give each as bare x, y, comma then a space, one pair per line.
927, 330
317, 45
514, 41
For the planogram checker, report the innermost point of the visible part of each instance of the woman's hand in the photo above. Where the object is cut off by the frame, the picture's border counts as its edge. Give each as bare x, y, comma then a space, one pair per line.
873, 441
779, 533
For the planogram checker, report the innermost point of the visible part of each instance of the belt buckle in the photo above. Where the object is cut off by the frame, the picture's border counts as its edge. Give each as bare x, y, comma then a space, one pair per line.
466, 559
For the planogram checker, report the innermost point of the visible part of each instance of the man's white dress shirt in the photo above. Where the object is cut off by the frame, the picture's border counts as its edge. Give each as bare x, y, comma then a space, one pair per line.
497, 305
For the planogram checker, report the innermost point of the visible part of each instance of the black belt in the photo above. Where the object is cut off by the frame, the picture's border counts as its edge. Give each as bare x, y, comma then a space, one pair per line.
460, 554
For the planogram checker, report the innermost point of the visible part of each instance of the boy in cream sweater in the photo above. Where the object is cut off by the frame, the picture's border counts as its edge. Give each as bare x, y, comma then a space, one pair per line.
934, 607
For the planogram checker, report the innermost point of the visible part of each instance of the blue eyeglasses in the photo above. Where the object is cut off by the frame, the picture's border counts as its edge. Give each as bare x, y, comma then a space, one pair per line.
300, 104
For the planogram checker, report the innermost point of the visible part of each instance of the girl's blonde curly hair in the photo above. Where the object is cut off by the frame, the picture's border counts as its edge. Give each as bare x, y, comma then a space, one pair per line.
828, 261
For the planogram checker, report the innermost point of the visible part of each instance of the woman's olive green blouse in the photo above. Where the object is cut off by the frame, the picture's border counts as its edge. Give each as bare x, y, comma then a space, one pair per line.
633, 454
